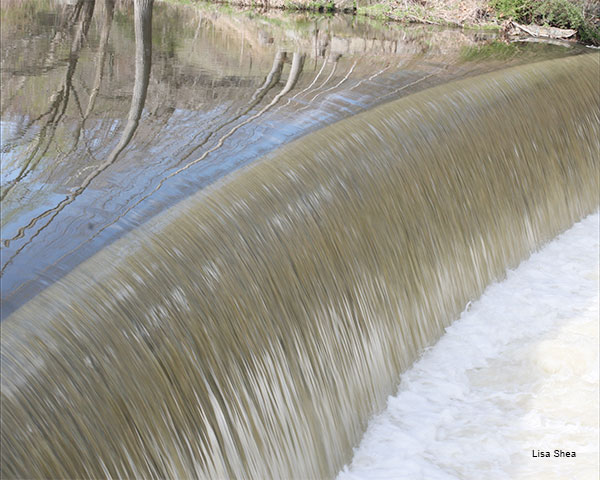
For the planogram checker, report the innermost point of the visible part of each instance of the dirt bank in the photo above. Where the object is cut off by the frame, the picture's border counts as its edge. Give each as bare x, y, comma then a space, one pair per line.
581, 16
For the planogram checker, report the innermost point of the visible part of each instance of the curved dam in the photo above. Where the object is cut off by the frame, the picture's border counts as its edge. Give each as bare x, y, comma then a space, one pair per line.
253, 329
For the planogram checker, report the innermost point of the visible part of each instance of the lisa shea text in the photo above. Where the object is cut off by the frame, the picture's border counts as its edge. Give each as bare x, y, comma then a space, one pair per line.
556, 453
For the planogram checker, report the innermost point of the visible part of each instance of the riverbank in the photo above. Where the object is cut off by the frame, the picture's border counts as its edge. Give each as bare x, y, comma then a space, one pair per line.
582, 17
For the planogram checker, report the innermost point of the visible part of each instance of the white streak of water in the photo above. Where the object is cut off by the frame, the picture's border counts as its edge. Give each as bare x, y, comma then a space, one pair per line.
516, 374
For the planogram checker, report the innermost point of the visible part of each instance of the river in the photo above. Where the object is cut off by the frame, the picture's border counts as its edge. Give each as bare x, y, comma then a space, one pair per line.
83, 161
227, 233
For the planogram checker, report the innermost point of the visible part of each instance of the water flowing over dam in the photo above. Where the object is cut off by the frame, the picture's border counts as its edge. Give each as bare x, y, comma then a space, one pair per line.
252, 329
110, 117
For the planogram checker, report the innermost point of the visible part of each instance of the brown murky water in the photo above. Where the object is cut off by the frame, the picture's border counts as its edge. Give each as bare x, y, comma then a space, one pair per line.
100, 132
248, 325
251, 330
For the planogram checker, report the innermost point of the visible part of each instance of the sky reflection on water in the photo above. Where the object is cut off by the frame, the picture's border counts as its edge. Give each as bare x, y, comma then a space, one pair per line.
102, 127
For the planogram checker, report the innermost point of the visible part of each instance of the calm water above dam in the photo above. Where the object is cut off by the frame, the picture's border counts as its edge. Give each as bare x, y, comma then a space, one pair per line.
100, 133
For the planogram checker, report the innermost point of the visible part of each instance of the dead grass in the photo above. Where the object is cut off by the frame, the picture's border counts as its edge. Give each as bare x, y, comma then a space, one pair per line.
458, 12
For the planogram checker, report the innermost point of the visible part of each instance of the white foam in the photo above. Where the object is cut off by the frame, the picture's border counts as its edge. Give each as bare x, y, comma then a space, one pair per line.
518, 372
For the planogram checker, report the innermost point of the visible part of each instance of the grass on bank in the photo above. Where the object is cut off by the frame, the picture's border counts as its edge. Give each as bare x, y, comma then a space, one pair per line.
580, 15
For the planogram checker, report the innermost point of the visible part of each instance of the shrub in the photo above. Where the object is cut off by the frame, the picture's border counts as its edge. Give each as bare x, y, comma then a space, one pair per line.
576, 14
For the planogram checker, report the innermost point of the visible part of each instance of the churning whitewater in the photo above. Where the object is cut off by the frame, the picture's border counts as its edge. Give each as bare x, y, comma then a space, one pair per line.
515, 377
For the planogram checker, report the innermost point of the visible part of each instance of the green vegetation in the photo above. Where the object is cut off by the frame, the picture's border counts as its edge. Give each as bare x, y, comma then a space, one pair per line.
502, 51
494, 50
580, 15
322, 6
377, 10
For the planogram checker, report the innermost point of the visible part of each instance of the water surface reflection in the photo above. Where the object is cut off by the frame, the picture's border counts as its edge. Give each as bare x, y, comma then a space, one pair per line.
111, 113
